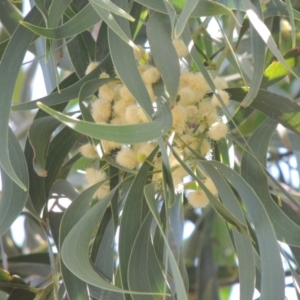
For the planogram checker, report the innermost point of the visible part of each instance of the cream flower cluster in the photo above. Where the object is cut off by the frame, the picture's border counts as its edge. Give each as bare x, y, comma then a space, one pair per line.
196, 122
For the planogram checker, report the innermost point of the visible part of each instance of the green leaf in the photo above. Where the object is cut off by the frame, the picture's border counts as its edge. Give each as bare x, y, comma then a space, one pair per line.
125, 65
128, 134
14, 52
111, 7
184, 17
265, 34
114, 25
57, 154
135, 205
276, 107
243, 245
272, 285
13, 196
75, 287
163, 52
179, 285
56, 11
252, 170
65, 95
277, 71
75, 248
258, 52
40, 133
82, 21
153, 279
9, 16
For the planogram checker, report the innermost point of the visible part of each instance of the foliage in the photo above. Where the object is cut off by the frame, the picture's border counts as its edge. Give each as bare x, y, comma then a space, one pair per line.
180, 114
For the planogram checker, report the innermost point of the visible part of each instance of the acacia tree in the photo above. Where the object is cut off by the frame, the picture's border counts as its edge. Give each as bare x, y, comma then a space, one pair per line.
160, 115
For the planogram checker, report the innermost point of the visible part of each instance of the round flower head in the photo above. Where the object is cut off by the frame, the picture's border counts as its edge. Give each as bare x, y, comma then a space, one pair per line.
192, 112
91, 67
179, 115
88, 151
125, 94
225, 97
108, 146
199, 85
101, 110
117, 120
220, 83
217, 130
127, 158
180, 172
197, 199
138, 53
205, 108
212, 118
144, 149
121, 105
211, 186
135, 114
151, 75
104, 75
187, 96
93, 176
180, 47
107, 92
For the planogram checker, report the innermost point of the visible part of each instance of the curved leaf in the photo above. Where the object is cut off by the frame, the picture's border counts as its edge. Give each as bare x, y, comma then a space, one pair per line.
164, 54
13, 197
39, 135
15, 51
82, 21
253, 172
128, 134
276, 107
125, 65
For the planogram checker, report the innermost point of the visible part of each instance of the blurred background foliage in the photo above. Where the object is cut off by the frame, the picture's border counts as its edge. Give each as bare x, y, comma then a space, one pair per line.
148, 245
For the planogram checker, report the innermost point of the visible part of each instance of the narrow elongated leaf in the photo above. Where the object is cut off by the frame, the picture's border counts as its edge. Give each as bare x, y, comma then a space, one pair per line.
13, 196
15, 51
272, 285
145, 274
135, 205
128, 134
82, 21
125, 65
277, 71
203, 8
258, 52
265, 34
56, 11
64, 96
243, 245
39, 135
164, 54
217, 205
75, 287
184, 16
179, 285
111, 7
113, 24
9, 16
75, 249
253, 172
276, 107
58, 152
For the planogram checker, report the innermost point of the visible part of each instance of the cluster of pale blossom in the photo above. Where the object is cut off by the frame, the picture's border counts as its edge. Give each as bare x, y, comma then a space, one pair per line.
196, 123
